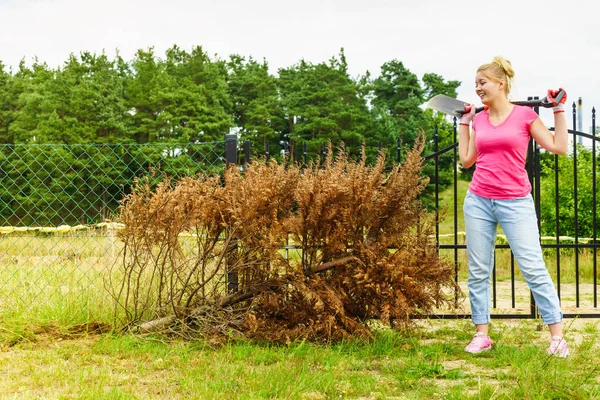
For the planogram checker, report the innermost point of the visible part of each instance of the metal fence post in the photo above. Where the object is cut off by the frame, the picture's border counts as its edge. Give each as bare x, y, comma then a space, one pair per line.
537, 172
230, 149
231, 259
246, 152
531, 172
575, 206
267, 154
304, 153
595, 208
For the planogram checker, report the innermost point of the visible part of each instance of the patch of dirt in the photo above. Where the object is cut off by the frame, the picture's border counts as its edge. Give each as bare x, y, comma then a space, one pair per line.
52, 332
90, 328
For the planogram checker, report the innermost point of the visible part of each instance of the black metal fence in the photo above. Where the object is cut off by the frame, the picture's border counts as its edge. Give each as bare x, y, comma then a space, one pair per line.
558, 244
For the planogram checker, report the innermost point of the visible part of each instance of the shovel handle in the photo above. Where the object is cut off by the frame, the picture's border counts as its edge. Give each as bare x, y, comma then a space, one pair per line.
545, 103
477, 110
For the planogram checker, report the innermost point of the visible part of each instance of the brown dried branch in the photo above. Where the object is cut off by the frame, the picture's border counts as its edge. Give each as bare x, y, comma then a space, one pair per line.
366, 250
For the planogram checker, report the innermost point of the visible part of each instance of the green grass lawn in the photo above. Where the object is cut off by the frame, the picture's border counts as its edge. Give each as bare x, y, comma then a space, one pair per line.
425, 362
41, 356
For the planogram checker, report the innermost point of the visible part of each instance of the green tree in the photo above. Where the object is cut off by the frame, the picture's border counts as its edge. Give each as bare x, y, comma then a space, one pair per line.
323, 104
181, 99
97, 100
398, 98
255, 99
7, 104
399, 94
34, 103
196, 103
435, 84
84, 103
143, 78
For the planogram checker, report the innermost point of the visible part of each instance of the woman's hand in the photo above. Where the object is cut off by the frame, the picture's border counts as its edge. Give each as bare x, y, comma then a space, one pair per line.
469, 115
559, 106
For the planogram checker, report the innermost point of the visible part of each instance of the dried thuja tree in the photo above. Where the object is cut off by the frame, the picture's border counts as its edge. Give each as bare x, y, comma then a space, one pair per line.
365, 251
162, 271
182, 241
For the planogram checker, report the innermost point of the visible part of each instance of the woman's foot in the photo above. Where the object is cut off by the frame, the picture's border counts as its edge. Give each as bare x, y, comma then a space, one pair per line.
481, 342
558, 347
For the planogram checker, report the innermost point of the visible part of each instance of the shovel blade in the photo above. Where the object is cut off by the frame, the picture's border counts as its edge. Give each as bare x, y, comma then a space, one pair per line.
447, 105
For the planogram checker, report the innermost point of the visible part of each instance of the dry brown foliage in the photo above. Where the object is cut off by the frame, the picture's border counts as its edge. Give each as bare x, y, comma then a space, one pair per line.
365, 251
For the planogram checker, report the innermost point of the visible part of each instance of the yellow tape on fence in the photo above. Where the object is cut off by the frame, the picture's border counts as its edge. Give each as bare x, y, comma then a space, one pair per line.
60, 228
543, 238
116, 226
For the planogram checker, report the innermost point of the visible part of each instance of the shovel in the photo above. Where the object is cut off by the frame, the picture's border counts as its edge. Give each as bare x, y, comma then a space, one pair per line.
456, 108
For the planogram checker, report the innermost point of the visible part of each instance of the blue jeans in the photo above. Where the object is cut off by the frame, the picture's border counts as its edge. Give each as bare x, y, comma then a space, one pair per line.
518, 220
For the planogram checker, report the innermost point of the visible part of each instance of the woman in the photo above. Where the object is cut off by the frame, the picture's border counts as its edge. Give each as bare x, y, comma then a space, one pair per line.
500, 193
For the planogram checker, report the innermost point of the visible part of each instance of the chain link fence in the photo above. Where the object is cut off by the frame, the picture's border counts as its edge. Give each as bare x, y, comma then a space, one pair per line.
57, 215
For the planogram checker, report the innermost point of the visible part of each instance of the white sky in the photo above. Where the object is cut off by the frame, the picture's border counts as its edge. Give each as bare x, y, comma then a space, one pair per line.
550, 43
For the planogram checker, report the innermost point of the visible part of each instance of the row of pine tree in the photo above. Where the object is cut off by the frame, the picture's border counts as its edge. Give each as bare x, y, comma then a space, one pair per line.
189, 97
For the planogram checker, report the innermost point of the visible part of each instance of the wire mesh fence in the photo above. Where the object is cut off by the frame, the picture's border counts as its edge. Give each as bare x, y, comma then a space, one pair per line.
57, 210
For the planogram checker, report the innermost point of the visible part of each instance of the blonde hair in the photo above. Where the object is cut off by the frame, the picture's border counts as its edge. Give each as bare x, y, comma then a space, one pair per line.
500, 70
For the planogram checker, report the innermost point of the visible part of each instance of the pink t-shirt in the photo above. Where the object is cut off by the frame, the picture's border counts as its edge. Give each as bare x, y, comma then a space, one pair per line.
500, 172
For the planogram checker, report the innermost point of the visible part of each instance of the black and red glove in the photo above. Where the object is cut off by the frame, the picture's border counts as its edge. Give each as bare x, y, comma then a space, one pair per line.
559, 105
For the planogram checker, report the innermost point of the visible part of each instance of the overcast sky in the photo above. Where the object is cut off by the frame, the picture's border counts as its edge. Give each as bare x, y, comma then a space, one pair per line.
550, 43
